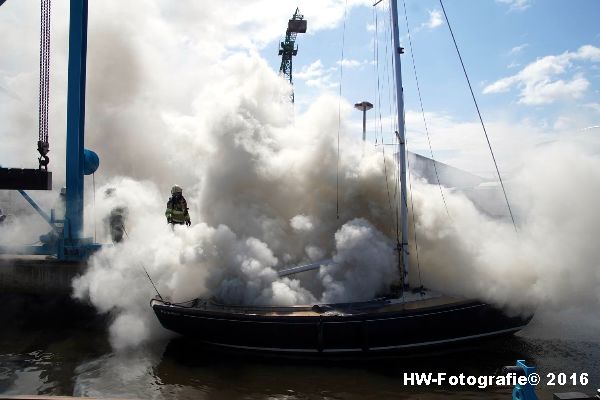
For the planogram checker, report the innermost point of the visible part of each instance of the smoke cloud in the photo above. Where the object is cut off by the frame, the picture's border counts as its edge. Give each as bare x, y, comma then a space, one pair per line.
550, 262
263, 201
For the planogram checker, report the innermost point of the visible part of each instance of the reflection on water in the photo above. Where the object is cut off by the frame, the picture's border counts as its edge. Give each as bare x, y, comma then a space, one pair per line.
80, 362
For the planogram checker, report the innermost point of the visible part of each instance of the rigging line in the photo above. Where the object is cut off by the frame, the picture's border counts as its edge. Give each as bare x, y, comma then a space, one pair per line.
378, 128
44, 84
376, 55
392, 101
394, 124
44, 38
47, 87
412, 56
337, 186
396, 197
412, 210
46, 66
480, 118
390, 71
94, 204
40, 97
43, 70
387, 28
404, 198
385, 68
387, 185
144, 268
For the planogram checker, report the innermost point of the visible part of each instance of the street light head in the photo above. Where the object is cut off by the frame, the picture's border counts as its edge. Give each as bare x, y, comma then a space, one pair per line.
364, 106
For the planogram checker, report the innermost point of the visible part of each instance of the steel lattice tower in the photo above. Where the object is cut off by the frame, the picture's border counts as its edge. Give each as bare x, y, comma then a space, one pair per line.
288, 48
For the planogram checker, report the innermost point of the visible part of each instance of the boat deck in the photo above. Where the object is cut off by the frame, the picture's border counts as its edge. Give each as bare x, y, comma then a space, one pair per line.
411, 302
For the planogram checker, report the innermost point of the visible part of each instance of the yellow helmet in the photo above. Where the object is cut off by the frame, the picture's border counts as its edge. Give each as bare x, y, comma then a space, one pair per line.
176, 189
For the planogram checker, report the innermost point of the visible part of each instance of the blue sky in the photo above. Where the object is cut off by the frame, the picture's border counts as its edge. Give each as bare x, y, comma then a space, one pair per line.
533, 64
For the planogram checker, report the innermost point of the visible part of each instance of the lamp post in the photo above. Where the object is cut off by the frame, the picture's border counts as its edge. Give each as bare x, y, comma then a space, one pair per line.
364, 106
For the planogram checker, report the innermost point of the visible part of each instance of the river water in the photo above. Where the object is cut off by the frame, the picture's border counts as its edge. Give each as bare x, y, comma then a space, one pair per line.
79, 361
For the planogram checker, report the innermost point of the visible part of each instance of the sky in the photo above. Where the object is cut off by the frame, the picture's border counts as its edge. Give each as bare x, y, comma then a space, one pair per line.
534, 66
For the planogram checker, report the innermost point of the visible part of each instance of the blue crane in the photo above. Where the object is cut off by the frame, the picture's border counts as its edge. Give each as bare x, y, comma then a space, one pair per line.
65, 239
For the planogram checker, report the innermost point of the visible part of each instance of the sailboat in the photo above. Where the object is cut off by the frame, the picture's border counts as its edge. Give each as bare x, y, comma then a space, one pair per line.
412, 319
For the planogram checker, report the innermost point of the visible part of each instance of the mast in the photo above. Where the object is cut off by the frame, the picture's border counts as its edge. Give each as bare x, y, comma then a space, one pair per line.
403, 240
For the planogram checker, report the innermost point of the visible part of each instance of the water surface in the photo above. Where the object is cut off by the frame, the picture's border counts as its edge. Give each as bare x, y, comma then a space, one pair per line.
80, 361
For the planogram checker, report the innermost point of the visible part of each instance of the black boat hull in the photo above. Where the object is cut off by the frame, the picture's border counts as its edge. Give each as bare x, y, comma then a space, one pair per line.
370, 329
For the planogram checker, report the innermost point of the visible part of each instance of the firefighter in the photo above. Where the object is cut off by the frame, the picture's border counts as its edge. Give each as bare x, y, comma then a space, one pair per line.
177, 210
116, 219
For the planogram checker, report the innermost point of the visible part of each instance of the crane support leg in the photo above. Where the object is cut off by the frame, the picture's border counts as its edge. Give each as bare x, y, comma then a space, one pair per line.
76, 118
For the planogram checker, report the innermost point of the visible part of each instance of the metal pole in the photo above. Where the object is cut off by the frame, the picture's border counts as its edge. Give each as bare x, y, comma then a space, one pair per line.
364, 107
76, 118
364, 124
402, 145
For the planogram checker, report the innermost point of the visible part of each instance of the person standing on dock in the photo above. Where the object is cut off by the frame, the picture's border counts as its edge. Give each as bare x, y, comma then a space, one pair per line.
116, 219
177, 210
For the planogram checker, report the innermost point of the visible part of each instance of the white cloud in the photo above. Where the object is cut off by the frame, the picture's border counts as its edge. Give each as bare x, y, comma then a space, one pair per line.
513, 65
588, 52
435, 19
593, 106
252, 24
560, 89
538, 80
317, 76
370, 27
518, 49
516, 5
346, 63
311, 71
350, 63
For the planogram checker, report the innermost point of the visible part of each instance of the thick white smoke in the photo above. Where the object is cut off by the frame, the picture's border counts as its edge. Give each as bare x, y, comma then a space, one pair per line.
365, 264
264, 201
551, 262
